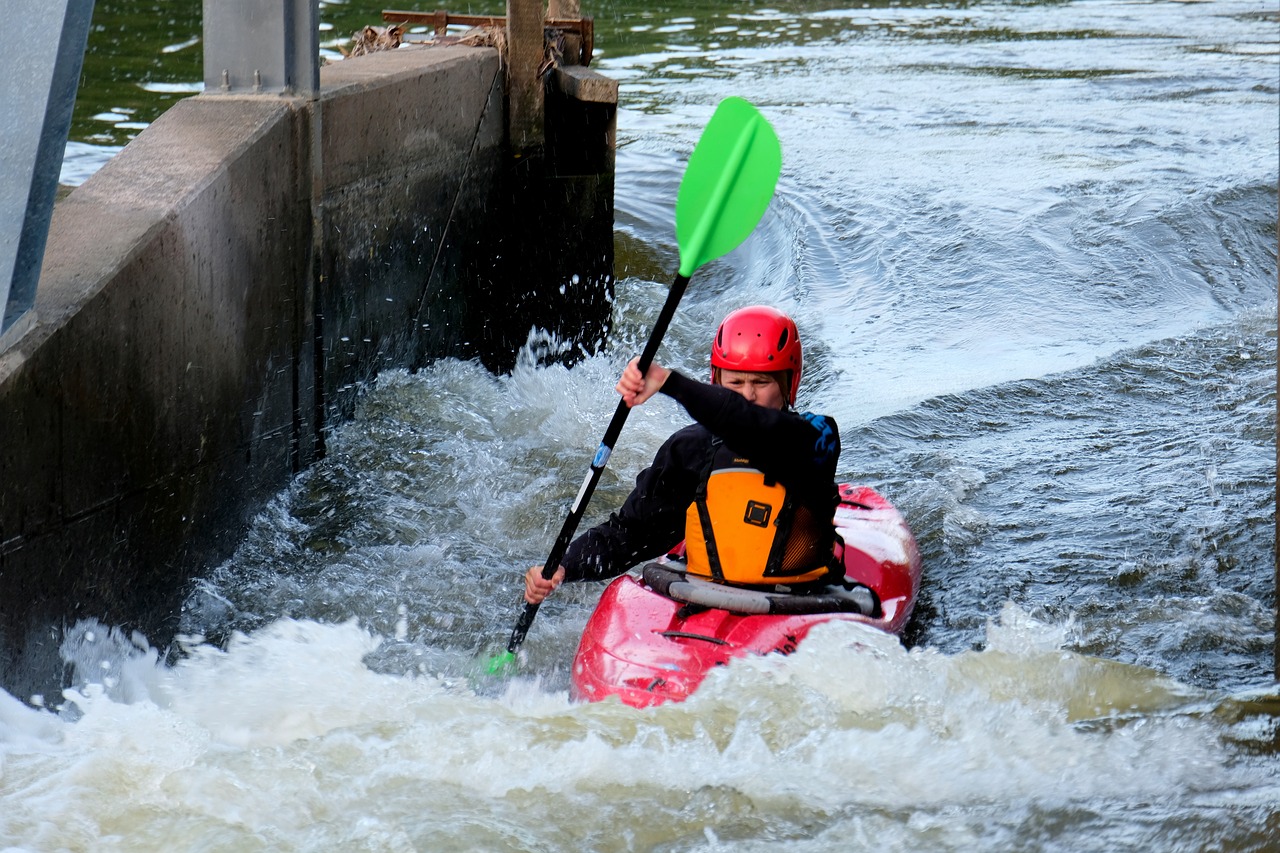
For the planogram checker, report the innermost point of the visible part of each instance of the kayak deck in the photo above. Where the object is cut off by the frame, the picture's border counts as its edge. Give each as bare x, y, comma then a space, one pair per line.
647, 648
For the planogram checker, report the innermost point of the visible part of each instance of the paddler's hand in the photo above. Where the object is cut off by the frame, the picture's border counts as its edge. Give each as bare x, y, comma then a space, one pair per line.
634, 388
536, 587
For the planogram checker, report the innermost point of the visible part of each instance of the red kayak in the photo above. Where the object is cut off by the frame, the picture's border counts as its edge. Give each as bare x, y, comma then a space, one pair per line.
654, 639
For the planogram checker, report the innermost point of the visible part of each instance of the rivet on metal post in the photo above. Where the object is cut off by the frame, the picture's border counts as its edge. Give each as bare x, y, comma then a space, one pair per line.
262, 46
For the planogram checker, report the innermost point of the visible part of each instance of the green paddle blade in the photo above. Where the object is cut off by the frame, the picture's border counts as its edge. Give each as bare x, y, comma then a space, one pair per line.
501, 664
727, 185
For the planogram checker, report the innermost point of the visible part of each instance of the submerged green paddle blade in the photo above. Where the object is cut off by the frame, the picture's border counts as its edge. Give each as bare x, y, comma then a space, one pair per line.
501, 664
727, 185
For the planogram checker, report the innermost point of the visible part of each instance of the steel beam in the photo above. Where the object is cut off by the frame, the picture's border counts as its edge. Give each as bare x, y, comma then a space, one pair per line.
261, 47
37, 95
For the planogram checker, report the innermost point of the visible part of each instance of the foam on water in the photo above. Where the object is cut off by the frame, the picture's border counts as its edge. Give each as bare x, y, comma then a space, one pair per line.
288, 740
1032, 250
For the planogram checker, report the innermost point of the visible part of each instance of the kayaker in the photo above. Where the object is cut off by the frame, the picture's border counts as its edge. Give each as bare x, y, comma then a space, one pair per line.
750, 487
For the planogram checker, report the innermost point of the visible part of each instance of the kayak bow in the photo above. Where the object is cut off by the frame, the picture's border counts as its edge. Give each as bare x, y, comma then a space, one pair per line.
654, 639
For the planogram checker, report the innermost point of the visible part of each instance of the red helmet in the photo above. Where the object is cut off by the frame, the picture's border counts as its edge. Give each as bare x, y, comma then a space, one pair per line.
758, 339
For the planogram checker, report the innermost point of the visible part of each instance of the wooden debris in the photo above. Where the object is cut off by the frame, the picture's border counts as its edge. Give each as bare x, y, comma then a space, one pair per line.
374, 39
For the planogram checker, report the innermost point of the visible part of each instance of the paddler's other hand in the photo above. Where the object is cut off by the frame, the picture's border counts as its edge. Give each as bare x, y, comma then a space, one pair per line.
536, 587
634, 388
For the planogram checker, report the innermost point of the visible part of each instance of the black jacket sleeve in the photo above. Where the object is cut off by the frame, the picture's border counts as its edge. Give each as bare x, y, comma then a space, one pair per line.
800, 450
651, 520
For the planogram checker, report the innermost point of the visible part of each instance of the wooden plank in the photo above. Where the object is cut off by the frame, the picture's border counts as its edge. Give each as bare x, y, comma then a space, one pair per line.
525, 48
570, 10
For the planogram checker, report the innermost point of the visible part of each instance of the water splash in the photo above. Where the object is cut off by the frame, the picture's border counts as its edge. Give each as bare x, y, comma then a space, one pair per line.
286, 737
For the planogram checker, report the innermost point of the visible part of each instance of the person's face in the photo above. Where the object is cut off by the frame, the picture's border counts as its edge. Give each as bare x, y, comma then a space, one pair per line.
759, 388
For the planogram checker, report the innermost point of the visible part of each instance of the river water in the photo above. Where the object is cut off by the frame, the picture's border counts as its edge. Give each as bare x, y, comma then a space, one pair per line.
1032, 251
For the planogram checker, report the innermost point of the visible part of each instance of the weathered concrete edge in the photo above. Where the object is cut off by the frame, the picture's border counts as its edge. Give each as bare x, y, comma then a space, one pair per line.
178, 279
157, 379
117, 215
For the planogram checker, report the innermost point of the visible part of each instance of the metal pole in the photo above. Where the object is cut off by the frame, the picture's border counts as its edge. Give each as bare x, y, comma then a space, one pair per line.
262, 47
37, 95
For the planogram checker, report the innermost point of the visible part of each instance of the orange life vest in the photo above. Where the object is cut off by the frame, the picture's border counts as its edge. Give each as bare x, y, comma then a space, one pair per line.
743, 528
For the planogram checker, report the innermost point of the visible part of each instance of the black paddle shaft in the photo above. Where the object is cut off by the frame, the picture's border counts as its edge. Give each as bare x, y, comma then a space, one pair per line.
598, 464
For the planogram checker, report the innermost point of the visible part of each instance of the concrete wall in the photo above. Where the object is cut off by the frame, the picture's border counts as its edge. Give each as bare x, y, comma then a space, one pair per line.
219, 293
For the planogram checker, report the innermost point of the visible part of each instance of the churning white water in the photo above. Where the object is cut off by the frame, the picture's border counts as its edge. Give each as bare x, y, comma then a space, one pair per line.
1032, 249
288, 740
